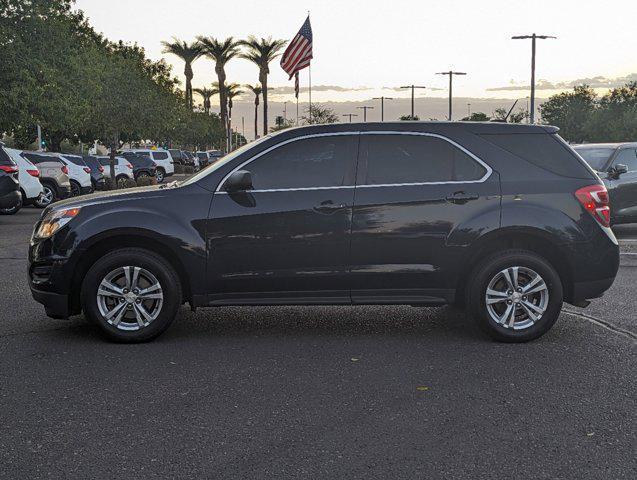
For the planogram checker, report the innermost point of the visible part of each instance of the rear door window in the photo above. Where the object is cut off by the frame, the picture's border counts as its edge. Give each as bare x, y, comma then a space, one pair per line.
160, 155
403, 159
544, 150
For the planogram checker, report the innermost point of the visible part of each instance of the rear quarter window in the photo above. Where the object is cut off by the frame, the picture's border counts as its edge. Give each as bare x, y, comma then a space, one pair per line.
545, 150
4, 158
160, 155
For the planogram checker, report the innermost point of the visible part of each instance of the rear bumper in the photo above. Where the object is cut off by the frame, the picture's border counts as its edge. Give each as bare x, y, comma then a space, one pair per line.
11, 199
591, 289
64, 192
56, 305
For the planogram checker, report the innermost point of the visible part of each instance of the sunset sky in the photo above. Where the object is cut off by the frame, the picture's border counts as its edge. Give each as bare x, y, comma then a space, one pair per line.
367, 48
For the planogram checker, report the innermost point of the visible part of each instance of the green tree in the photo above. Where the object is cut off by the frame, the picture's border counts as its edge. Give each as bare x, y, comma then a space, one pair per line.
615, 118
571, 112
319, 114
261, 52
281, 123
477, 117
221, 52
188, 53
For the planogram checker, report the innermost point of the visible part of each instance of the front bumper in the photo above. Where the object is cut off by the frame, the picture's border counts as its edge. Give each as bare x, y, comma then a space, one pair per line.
56, 305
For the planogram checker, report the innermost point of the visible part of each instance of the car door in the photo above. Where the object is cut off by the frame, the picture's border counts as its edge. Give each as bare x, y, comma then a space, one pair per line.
416, 197
286, 240
623, 189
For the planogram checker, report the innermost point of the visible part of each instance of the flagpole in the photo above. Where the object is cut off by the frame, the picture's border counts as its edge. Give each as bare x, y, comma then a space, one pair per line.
297, 111
309, 71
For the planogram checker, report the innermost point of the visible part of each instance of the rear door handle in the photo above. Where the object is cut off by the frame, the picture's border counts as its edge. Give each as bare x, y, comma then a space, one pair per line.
460, 198
328, 207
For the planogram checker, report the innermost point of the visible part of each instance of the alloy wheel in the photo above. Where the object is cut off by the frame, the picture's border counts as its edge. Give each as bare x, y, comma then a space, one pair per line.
130, 298
517, 297
46, 197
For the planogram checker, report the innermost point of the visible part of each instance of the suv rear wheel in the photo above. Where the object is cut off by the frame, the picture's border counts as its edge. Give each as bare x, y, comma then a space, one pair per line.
47, 197
76, 190
515, 296
160, 175
132, 294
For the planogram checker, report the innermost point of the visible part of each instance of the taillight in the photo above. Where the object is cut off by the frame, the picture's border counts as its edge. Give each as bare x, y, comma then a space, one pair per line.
87, 170
594, 199
34, 173
101, 169
65, 169
129, 166
9, 168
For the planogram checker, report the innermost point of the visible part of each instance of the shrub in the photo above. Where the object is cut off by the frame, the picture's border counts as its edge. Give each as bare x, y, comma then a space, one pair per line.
146, 181
188, 170
126, 183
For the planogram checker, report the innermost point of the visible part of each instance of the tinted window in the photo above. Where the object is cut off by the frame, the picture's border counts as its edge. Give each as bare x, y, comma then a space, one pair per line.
313, 162
160, 155
202, 156
627, 157
36, 158
76, 159
399, 159
595, 157
547, 151
145, 154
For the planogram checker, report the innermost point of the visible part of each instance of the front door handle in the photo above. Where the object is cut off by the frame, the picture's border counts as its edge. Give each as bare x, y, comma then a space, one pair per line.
328, 207
461, 198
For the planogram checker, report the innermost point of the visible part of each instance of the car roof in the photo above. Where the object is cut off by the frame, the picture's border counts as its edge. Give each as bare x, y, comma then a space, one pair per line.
606, 145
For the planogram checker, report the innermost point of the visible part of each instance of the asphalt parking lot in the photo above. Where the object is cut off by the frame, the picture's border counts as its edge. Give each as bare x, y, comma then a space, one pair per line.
316, 392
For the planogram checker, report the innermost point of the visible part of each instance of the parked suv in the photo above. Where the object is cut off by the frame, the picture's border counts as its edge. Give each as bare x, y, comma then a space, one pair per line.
54, 177
123, 168
161, 157
97, 172
30, 186
505, 219
616, 164
79, 174
10, 198
142, 166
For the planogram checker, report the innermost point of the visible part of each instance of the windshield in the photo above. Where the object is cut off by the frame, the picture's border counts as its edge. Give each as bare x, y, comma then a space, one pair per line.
223, 160
595, 157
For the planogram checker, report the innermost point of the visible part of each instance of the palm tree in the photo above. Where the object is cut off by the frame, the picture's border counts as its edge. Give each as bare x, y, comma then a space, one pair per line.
188, 53
220, 51
207, 94
261, 52
256, 89
232, 90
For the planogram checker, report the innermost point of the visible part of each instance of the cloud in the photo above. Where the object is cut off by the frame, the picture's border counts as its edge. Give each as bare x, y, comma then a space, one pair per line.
317, 88
594, 82
399, 89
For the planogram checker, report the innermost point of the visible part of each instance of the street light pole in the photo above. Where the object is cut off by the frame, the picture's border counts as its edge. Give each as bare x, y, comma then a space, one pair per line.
468, 110
533, 37
382, 106
451, 73
413, 88
365, 108
350, 115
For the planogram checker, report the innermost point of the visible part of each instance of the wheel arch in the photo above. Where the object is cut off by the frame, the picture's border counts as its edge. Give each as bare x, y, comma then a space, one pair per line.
134, 239
529, 238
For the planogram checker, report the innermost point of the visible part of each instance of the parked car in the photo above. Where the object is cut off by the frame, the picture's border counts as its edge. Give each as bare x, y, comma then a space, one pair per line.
79, 174
214, 155
178, 156
142, 166
505, 219
10, 198
616, 164
97, 172
192, 160
123, 168
203, 158
161, 157
29, 177
54, 177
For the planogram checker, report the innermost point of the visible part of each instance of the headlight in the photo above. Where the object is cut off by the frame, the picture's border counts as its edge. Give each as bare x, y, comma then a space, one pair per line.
55, 220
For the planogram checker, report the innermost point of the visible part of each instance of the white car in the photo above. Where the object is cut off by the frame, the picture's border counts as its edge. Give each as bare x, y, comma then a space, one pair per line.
123, 168
161, 157
79, 176
29, 176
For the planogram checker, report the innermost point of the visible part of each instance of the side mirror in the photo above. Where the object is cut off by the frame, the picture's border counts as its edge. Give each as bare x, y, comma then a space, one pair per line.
617, 170
239, 181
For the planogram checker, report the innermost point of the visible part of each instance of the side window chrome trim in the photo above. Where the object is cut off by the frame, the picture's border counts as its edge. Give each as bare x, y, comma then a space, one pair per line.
486, 176
273, 147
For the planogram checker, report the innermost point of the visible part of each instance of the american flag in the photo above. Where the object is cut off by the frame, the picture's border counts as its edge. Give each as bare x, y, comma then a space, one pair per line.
299, 52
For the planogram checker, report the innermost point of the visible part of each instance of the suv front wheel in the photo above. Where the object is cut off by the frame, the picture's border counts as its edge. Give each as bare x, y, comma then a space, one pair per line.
132, 294
515, 296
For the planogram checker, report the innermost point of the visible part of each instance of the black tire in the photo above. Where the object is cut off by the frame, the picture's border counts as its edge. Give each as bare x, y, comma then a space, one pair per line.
160, 175
13, 210
76, 190
488, 269
136, 257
